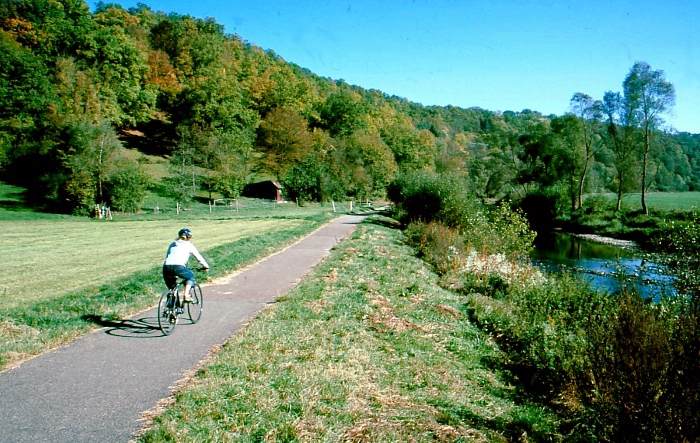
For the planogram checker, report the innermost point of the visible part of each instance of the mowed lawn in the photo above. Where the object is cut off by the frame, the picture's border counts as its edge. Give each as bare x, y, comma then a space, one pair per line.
662, 201
43, 259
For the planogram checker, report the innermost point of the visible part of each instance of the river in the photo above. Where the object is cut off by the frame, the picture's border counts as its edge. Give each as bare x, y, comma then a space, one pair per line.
602, 265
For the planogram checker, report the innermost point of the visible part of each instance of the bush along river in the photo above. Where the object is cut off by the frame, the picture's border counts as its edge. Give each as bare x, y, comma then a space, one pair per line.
606, 264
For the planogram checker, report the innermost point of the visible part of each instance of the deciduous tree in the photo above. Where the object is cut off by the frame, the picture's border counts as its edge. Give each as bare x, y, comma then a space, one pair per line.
649, 95
620, 134
588, 111
284, 139
342, 113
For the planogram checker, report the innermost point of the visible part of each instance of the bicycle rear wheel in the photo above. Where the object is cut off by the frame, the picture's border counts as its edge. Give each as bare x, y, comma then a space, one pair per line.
167, 316
195, 307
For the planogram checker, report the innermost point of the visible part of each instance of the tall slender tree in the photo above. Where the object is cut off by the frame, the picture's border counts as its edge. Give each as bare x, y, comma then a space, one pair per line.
619, 133
649, 95
587, 111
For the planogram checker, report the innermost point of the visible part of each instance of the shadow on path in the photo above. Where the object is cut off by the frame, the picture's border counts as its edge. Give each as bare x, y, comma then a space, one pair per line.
387, 222
146, 327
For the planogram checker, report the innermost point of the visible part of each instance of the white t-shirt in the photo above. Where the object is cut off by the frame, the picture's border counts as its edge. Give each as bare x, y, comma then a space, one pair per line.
179, 253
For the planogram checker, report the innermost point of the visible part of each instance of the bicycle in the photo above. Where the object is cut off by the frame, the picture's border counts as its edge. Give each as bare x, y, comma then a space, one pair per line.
172, 304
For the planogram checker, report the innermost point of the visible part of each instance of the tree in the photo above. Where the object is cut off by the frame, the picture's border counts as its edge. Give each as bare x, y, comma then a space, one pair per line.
50, 28
539, 159
25, 95
587, 111
620, 135
303, 181
86, 164
181, 183
318, 176
225, 160
368, 164
127, 186
572, 154
648, 95
284, 138
412, 149
215, 122
278, 87
122, 71
342, 113
494, 160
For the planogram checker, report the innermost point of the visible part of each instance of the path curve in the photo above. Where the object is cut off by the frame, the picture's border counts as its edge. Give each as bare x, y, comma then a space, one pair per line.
97, 388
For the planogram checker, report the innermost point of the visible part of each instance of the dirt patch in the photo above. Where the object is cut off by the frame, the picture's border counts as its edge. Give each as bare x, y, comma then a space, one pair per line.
449, 311
384, 319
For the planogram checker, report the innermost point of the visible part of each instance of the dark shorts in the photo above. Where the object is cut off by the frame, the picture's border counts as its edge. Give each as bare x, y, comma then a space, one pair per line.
172, 272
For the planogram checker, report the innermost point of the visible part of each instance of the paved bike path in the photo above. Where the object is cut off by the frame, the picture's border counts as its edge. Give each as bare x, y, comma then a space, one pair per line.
96, 389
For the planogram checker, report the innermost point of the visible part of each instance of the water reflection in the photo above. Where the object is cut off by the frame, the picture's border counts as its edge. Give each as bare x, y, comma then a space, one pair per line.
604, 266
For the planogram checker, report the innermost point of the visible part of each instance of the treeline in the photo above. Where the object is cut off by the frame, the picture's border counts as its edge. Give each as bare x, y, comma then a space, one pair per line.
77, 85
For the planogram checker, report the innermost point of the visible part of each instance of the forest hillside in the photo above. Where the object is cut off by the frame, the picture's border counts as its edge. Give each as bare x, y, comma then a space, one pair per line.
78, 88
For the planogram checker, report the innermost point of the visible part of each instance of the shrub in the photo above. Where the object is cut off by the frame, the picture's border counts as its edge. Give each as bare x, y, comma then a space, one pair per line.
625, 369
681, 237
597, 204
439, 245
510, 234
127, 187
426, 197
446, 199
646, 385
78, 193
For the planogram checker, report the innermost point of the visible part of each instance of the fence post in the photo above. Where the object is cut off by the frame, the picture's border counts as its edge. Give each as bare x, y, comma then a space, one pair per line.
333, 203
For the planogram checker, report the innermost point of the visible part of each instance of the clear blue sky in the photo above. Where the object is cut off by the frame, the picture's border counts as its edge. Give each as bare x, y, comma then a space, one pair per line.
498, 55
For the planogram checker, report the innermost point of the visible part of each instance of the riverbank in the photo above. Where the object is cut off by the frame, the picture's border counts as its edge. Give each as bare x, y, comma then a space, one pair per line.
629, 244
616, 368
671, 236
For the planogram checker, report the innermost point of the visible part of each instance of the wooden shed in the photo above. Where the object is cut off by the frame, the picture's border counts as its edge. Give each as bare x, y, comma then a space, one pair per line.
267, 189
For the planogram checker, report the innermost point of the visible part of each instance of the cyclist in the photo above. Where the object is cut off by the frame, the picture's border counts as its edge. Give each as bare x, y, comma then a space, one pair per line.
176, 258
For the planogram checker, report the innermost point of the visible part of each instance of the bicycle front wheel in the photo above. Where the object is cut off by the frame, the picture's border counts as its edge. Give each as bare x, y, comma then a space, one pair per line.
195, 307
167, 317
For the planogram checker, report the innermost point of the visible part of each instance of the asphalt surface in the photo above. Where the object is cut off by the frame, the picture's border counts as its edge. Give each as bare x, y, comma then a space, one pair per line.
97, 388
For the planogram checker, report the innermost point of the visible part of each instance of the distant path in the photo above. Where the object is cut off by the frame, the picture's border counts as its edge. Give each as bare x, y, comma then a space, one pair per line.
96, 389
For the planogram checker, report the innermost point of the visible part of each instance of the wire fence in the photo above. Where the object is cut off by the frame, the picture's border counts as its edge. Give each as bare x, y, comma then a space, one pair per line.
254, 207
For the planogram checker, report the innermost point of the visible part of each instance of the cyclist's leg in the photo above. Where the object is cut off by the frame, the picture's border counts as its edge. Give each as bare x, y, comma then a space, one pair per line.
186, 274
169, 276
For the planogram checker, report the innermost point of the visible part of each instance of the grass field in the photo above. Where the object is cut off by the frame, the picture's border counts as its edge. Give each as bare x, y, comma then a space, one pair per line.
662, 201
13, 206
366, 348
44, 259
